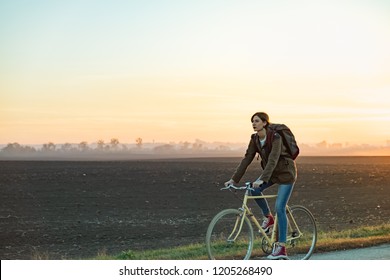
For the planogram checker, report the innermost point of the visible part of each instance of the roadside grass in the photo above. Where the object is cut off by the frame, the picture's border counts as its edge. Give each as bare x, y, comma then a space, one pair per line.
353, 238
327, 241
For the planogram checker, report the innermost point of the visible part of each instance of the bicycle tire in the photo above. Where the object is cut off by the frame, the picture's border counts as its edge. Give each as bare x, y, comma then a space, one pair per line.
218, 244
301, 247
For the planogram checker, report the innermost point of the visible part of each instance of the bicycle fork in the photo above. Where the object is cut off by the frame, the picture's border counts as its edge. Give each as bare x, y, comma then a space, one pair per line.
240, 220
237, 226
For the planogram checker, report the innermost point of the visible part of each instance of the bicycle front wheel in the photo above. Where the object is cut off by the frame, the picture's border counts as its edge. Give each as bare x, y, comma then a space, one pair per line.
302, 233
229, 236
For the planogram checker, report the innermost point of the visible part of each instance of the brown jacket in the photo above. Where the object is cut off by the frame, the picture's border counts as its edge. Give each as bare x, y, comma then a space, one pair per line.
277, 166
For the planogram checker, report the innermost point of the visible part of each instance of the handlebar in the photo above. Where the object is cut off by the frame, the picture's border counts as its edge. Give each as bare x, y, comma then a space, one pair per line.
248, 186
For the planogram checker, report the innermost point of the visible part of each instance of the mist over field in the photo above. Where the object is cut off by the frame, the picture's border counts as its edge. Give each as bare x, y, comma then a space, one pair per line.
139, 150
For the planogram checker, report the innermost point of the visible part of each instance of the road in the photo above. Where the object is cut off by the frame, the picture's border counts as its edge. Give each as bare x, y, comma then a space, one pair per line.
381, 252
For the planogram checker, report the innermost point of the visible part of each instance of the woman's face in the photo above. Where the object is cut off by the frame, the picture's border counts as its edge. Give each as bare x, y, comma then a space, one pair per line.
258, 124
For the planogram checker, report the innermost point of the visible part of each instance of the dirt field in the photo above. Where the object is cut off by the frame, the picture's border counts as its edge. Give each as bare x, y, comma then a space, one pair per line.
72, 210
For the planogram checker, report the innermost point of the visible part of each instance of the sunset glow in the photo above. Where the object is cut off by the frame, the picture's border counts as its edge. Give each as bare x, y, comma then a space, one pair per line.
75, 71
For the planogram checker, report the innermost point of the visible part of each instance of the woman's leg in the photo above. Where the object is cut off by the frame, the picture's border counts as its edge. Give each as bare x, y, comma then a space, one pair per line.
262, 202
284, 193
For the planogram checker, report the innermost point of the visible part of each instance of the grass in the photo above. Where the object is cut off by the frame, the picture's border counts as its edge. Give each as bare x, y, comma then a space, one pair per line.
327, 241
353, 238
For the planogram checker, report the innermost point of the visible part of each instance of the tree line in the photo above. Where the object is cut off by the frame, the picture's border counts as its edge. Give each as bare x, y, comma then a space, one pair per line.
114, 146
50, 147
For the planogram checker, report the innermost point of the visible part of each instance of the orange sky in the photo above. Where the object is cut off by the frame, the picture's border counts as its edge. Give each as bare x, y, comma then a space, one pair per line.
172, 71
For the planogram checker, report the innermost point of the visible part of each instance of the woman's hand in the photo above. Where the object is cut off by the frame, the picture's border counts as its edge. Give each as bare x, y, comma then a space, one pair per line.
257, 183
230, 182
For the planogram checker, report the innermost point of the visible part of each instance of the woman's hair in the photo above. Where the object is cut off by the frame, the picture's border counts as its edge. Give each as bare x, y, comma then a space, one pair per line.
263, 116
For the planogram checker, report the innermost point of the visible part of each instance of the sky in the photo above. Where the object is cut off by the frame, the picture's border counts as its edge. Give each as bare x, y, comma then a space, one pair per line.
170, 71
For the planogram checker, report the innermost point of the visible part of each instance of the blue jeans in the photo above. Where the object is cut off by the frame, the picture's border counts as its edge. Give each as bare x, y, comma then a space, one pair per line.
284, 193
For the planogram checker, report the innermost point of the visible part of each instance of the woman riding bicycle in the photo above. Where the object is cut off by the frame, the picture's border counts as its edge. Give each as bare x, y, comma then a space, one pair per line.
278, 168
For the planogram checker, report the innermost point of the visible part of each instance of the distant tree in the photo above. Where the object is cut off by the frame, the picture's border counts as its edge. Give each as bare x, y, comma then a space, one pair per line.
100, 145
29, 149
223, 148
138, 142
13, 148
114, 143
166, 148
185, 145
49, 147
66, 147
322, 145
83, 146
197, 146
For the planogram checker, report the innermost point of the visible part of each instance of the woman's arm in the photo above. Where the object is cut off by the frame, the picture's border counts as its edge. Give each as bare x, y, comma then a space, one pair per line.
248, 158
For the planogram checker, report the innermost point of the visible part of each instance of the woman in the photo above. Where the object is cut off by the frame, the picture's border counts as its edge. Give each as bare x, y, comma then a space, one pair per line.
278, 169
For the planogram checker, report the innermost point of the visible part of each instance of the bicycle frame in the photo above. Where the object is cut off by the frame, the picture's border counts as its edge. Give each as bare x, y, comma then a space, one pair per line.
246, 211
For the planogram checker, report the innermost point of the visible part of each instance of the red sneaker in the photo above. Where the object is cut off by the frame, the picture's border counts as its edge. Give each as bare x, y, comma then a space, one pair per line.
278, 253
267, 224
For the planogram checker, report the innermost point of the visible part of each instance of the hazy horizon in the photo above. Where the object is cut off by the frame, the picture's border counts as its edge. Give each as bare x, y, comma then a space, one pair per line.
114, 148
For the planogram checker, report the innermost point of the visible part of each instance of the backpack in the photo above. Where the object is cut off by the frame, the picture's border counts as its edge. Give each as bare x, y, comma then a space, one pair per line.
287, 136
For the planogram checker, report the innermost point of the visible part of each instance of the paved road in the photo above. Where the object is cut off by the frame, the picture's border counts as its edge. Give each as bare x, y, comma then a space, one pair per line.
381, 252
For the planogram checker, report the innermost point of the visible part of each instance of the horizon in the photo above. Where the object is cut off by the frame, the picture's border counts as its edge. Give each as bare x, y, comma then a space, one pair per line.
177, 71
134, 142
198, 148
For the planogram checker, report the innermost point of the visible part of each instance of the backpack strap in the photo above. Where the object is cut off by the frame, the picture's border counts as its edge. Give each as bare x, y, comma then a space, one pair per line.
270, 138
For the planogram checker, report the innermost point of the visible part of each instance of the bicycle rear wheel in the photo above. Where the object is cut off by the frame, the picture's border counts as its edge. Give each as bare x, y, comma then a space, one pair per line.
301, 234
229, 236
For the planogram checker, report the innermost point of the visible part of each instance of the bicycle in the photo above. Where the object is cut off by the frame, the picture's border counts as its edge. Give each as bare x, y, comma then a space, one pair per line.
230, 234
